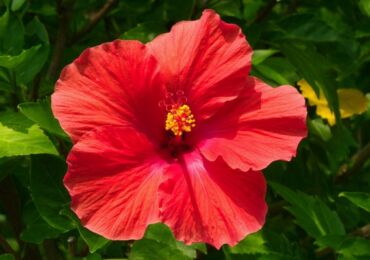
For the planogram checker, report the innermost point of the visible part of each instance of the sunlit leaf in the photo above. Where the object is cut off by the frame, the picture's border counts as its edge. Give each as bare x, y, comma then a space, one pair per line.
261, 55
17, 4
252, 244
22, 137
364, 6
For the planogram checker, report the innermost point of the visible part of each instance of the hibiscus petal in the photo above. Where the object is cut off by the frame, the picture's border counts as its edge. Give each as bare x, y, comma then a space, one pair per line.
208, 59
113, 178
208, 202
110, 84
265, 124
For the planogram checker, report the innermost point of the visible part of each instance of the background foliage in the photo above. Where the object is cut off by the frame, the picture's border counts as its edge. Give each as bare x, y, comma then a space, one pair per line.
319, 204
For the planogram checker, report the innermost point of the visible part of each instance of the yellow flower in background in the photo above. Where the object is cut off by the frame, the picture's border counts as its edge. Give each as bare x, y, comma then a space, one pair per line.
351, 102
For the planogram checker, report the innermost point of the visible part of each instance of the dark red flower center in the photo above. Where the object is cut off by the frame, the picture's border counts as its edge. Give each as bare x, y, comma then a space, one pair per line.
179, 117
179, 121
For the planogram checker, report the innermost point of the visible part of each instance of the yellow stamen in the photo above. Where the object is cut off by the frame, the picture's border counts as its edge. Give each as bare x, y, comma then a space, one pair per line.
180, 119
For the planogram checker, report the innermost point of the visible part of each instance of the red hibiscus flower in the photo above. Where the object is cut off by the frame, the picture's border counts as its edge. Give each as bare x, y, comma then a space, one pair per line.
174, 131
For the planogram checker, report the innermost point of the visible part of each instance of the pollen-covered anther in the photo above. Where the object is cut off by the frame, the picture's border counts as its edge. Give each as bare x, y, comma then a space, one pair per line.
179, 120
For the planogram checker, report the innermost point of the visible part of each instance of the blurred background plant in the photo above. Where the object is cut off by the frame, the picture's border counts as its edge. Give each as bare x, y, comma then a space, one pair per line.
319, 204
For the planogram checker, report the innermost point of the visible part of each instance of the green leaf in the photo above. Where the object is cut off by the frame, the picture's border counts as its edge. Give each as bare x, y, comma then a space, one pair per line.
98, 257
11, 34
37, 28
364, 6
4, 82
278, 70
311, 213
43, 8
17, 4
12, 62
340, 150
333, 241
308, 27
48, 192
149, 249
7, 257
178, 10
159, 243
37, 230
320, 129
306, 59
161, 233
346, 246
254, 6
26, 73
355, 247
268, 246
94, 241
40, 113
360, 199
201, 247
20, 64
260, 55
22, 137
271, 74
144, 32
252, 244
226, 7
7, 166
16, 121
